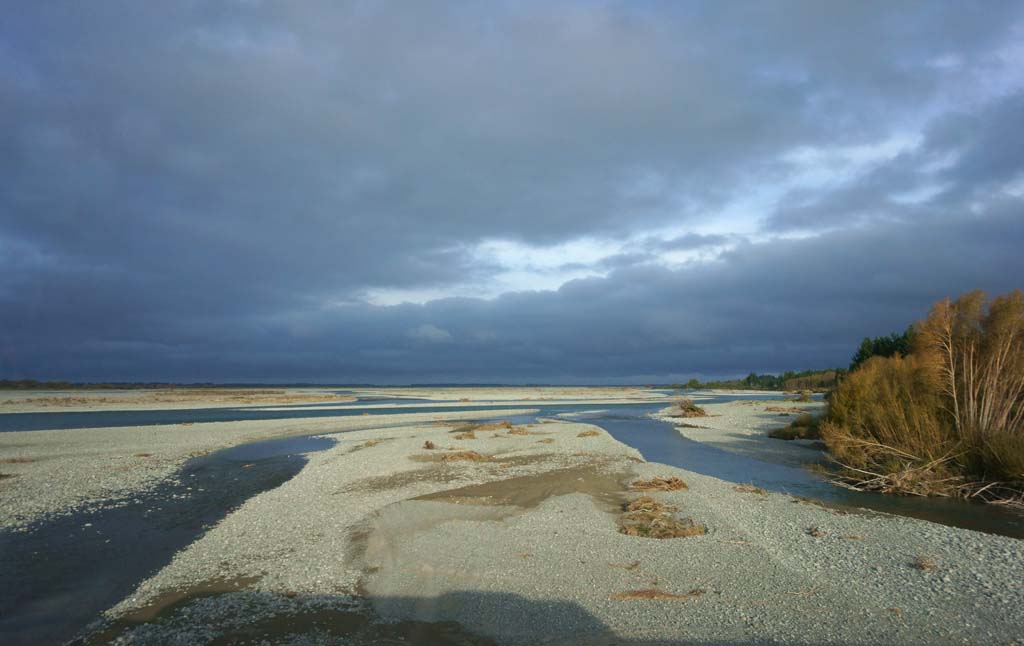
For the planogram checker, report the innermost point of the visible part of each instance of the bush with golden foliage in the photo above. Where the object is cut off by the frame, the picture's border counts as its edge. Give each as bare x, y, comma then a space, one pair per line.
946, 420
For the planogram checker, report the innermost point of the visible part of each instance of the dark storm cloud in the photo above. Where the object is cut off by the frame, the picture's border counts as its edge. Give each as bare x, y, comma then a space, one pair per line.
209, 190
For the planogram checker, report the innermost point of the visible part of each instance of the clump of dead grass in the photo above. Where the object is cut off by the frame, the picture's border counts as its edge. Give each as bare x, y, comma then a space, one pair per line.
590, 433
924, 563
430, 446
749, 488
495, 426
659, 483
464, 456
686, 408
546, 440
466, 435
817, 532
654, 593
518, 430
647, 518
368, 443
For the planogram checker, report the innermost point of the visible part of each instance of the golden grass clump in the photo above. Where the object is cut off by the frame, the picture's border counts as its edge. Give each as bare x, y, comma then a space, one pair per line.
464, 456
518, 430
686, 408
749, 488
659, 483
654, 593
590, 433
647, 518
495, 426
467, 435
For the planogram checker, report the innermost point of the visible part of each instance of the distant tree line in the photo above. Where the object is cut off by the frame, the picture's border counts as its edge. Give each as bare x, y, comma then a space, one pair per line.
884, 346
789, 380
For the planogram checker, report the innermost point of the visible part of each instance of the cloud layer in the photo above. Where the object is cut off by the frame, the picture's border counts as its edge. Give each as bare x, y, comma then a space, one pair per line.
513, 192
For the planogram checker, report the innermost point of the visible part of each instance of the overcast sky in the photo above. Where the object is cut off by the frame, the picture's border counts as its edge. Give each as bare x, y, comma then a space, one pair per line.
505, 192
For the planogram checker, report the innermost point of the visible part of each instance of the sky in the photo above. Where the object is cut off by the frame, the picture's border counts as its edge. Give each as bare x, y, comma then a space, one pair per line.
504, 192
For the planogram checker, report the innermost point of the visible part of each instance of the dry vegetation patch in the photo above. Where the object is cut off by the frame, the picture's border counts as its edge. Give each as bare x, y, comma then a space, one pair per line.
647, 518
749, 488
18, 460
546, 440
466, 435
925, 563
689, 409
654, 593
495, 426
659, 483
428, 445
804, 427
464, 456
590, 433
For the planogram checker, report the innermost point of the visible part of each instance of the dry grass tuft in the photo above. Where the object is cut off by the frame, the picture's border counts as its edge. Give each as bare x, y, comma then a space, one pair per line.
546, 440
648, 505
518, 430
749, 488
368, 443
817, 532
647, 518
659, 484
590, 433
428, 445
464, 456
653, 593
924, 563
143, 455
467, 435
688, 409
495, 426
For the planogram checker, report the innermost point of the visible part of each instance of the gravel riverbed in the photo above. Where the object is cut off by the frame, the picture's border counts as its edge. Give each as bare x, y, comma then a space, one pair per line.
381, 540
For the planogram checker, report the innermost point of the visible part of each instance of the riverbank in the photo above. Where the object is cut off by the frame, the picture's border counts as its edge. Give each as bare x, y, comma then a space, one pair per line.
742, 427
523, 546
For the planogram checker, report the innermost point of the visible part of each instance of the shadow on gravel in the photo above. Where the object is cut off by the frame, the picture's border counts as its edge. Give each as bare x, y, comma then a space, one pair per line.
258, 617
58, 575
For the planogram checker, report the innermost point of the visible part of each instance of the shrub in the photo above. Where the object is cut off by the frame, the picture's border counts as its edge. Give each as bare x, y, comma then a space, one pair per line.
804, 427
946, 420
